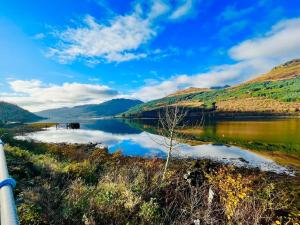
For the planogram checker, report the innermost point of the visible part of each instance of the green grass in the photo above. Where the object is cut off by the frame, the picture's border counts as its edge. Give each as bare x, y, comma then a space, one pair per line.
283, 91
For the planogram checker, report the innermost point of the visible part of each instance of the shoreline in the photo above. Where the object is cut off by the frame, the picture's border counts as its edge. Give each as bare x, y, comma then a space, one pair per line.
227, 116
277, 155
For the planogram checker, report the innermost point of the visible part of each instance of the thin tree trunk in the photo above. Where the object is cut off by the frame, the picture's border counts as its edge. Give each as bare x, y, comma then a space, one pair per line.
169, 155
166, 165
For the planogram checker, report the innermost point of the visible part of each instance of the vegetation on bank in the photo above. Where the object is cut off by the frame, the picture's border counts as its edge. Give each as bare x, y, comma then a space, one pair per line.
273, 96
81, 184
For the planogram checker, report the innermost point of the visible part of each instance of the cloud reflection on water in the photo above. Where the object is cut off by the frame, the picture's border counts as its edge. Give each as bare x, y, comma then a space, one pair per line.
143, 144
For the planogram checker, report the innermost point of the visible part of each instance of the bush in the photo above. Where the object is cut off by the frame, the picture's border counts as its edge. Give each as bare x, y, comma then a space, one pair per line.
150, 212
29, 214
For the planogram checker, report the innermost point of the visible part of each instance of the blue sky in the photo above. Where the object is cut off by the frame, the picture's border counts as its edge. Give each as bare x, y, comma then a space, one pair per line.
65, 53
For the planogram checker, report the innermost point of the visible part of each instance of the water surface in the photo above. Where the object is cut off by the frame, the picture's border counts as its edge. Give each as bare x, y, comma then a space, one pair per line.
136, 139
281, 131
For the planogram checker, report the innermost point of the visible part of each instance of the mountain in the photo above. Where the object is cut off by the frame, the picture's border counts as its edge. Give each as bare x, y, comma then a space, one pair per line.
13, 113
109, 108
276, 92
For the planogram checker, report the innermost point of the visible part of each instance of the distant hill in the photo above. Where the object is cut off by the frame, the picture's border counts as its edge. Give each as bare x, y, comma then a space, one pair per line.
109, 108
276, 92
13, 113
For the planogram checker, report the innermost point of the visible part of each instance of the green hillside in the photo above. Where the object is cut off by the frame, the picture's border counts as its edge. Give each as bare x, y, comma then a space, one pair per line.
13, 113
276, 92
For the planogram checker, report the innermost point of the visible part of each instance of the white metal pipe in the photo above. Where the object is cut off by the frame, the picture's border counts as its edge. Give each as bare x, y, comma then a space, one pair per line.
7, 203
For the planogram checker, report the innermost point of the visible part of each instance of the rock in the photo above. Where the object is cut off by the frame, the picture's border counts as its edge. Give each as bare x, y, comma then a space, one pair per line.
195, 176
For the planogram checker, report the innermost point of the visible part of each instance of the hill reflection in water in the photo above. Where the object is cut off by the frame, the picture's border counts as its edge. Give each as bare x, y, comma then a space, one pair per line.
133, 141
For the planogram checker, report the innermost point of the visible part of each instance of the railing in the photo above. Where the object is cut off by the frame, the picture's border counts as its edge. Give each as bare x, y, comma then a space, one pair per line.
7, 203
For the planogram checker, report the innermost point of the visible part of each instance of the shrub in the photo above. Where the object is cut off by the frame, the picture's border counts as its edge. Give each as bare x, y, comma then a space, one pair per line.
232, 188
29, 214
76, 202
150, 211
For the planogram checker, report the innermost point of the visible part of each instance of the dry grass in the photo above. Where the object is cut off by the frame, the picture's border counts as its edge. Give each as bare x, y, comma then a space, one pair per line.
282, 72
253, 104
190, 90
189, 104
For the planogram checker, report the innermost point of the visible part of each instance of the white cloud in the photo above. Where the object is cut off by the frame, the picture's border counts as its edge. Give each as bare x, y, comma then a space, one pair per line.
282, 42
35, 96
112, 42
253, 57
121, 37
25, 86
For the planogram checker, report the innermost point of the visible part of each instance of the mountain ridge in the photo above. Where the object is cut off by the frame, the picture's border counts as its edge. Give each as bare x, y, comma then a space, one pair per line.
108, 108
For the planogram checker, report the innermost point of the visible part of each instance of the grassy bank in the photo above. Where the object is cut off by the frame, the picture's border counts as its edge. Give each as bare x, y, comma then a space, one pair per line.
80, 184
280, 96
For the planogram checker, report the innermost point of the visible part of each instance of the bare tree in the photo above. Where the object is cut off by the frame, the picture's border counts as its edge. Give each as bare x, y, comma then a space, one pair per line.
170, 119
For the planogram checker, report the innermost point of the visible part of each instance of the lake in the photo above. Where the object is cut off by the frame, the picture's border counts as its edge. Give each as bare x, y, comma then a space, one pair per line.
281, 131
138, 138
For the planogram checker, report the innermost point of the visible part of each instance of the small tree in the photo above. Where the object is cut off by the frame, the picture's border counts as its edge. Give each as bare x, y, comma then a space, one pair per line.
170, 119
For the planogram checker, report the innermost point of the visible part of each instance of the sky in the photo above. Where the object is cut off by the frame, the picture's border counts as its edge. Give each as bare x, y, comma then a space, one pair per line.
62, 53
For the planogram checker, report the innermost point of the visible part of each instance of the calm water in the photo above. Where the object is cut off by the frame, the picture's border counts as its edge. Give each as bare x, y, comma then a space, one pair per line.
281, 131
137, 138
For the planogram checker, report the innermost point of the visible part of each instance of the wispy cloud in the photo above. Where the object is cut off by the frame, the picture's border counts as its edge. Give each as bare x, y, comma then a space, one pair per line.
232, 13
234, 28
121, 37
184, 8
39, 36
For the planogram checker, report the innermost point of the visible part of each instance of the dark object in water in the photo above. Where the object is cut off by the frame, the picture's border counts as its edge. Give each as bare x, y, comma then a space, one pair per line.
73, 125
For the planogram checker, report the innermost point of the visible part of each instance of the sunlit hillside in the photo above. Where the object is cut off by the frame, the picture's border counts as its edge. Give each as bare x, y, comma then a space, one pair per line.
277, 91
